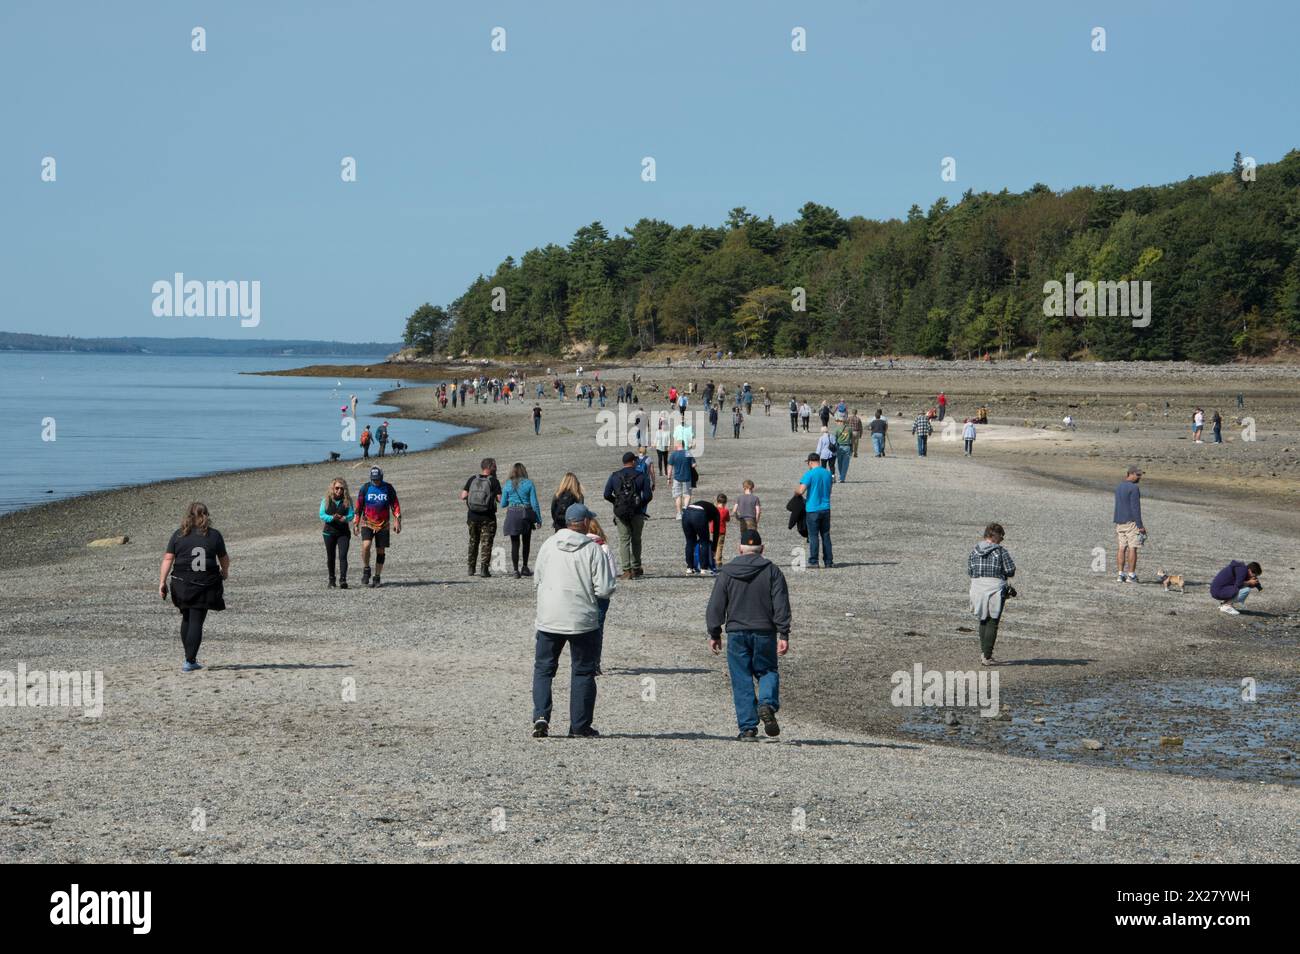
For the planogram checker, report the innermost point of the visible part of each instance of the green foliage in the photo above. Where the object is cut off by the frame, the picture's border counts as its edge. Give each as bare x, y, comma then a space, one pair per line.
955, 280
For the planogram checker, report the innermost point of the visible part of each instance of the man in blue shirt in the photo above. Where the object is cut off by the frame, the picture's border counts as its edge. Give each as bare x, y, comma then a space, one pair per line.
1130, 532
815, 487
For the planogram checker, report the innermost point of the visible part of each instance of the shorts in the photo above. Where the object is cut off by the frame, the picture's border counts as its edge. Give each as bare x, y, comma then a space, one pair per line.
1127, 534
379, 536
681, 488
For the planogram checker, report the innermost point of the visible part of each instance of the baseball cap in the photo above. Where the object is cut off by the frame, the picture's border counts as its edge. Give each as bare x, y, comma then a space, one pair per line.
576, 512
750, 538
1135, 469
376, 473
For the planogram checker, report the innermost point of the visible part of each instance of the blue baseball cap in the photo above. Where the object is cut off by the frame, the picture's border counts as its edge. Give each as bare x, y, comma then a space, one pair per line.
576, 512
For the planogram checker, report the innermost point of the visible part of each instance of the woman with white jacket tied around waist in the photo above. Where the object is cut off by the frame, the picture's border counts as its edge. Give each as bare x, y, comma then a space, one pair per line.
990, 567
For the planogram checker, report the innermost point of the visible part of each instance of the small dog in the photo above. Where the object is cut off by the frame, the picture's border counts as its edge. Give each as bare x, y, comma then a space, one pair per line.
335, 455
399, 447
1171, 582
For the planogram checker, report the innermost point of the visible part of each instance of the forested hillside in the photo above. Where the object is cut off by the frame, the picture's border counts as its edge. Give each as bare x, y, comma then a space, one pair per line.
1220, 252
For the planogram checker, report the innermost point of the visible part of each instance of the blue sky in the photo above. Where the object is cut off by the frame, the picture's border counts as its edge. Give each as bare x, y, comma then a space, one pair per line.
225, 165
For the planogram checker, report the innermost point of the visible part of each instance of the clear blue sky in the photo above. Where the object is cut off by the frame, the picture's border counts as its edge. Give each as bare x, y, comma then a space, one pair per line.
225, 164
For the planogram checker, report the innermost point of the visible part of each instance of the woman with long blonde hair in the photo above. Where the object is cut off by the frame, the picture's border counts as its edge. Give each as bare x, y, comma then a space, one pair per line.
336, 514
194, 568
569, 492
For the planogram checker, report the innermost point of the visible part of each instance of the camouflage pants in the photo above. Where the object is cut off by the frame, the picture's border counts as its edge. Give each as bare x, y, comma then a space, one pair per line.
481, 536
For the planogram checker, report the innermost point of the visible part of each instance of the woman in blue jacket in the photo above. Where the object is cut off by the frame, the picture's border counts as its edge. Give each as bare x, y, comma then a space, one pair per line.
523, 515
336, 518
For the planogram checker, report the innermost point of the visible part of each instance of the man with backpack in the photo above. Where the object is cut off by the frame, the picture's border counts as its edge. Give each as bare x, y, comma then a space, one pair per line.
481, 494
376, 501
630, 491
381, 435
365, 441
794, 415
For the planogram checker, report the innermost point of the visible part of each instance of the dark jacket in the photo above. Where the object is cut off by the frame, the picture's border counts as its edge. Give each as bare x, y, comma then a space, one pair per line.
1229, 581
750, 593
642, 485
798, 508
559, 505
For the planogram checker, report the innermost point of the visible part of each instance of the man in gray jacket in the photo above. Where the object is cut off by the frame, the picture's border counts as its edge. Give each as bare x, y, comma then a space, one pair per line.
572, 575
751, 599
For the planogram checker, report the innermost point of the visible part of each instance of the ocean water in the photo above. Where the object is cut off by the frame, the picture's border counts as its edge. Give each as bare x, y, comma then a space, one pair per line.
132, 419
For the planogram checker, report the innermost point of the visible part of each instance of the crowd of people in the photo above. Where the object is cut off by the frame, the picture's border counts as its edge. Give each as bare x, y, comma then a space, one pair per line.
579, 566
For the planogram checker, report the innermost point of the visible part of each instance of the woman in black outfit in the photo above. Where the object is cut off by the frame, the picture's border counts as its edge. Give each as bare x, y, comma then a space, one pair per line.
336, 516
569, 492
195, 566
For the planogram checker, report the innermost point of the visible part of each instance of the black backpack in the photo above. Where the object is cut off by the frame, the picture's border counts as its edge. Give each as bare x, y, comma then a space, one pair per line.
627, 497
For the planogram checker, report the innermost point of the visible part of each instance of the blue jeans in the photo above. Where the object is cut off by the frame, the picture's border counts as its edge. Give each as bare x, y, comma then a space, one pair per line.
1242, 593
752, 655
819, 530
878, 442
843, 456
584, 658
921, 441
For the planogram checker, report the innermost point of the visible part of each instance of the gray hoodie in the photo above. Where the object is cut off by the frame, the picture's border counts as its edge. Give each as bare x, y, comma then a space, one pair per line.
571, 574
750, 593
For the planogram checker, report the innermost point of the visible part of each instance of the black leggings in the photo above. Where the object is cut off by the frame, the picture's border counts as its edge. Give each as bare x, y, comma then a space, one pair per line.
527, 539
337, 543
663, 462
192, 631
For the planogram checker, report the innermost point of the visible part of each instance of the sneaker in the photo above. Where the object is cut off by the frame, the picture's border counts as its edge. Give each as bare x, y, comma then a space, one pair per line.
525, 572
588, 733
331, 584
1132, 577
365, 576
540, 729
1121, 578
748, 735
190, 666
374, 583
1229, 609
988, 661
486, 574
343, 584
767, 715
625, 575
516, 574
638, 573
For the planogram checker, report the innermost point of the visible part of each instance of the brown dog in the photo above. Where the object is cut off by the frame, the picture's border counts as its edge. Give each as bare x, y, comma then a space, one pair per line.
1174, 582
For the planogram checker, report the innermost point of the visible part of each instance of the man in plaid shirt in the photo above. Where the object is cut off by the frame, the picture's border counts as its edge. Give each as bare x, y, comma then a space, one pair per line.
922, 428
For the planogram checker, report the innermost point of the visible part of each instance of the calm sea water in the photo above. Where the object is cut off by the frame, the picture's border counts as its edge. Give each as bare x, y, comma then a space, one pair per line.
130, 419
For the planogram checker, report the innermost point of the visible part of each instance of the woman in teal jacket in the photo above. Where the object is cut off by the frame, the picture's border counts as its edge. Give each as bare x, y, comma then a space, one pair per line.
523, 515
336, 517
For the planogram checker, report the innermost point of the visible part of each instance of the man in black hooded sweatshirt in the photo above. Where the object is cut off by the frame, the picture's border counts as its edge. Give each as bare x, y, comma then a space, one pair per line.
751, 599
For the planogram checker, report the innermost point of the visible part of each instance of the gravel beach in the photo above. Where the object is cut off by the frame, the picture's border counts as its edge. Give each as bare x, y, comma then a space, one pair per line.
392, 724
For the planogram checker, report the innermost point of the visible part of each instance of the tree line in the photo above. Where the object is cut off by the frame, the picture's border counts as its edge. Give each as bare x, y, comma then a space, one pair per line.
1220, 252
